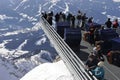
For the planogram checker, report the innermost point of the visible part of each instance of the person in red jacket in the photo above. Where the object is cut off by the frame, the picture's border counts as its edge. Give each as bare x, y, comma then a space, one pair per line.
115, 23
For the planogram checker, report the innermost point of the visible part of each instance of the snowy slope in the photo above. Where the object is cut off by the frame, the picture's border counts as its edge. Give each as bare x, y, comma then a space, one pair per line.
13, 51
7, 71
55, 71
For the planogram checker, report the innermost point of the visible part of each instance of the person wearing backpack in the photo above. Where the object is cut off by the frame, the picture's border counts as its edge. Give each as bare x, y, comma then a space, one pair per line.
99, 71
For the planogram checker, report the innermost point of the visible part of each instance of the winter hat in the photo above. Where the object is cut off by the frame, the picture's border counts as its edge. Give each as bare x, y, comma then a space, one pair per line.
101, 63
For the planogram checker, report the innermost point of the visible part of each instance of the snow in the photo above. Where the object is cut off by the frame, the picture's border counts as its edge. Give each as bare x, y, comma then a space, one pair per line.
21, 4
4, 29
116, 0
113, 17
119, 7
15, 63
39, 11
104, 13
26, 64
44, 5
90, 0
7, 53
54, 1
27, 17
52, 6
17, 68
41, 41
4, 74
25, 30
26, 6
8, 71
22, 45
49, 71
67, 8
18, 51
3, 50
3, 17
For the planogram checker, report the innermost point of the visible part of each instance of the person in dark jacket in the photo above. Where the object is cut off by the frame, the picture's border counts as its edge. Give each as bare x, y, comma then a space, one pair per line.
72, 21
97, 34
49, 18
91, 36
79, 16
57, 17
69, 17
91, 62
64, 16
90, 20
84, 18
108, 23
44, 14
99, 53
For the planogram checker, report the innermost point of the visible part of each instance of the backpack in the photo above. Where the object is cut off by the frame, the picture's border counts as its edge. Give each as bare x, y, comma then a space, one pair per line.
99, 72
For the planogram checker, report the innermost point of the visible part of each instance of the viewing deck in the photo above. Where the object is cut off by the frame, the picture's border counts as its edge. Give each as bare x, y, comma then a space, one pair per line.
75, 58
112, 72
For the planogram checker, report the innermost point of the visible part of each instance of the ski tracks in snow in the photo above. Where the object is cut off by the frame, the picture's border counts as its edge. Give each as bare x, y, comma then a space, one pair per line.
21, 4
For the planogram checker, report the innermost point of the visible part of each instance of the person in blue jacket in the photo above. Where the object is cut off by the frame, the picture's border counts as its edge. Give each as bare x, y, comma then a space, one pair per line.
99, 72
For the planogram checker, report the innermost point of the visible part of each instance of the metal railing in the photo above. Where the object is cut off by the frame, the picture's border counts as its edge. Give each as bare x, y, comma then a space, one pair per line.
71, 60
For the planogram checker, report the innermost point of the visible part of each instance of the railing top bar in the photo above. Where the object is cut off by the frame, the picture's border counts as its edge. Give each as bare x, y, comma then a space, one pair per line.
68, 49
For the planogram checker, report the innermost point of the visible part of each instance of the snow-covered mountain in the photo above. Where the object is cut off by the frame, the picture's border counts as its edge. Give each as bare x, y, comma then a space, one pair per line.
23, 45
55, 71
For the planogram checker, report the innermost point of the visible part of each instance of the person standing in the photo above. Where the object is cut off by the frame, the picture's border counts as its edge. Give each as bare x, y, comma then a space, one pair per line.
49, 18
73, 21
57, 17
90, 20
108, 23
84, 18
115, 23
79, 16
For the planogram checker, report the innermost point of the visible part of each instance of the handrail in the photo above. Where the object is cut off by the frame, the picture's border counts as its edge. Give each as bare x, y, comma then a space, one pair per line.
71, 60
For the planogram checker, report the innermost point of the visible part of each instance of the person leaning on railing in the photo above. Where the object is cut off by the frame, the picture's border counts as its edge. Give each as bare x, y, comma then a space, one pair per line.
91, 62
99, 71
